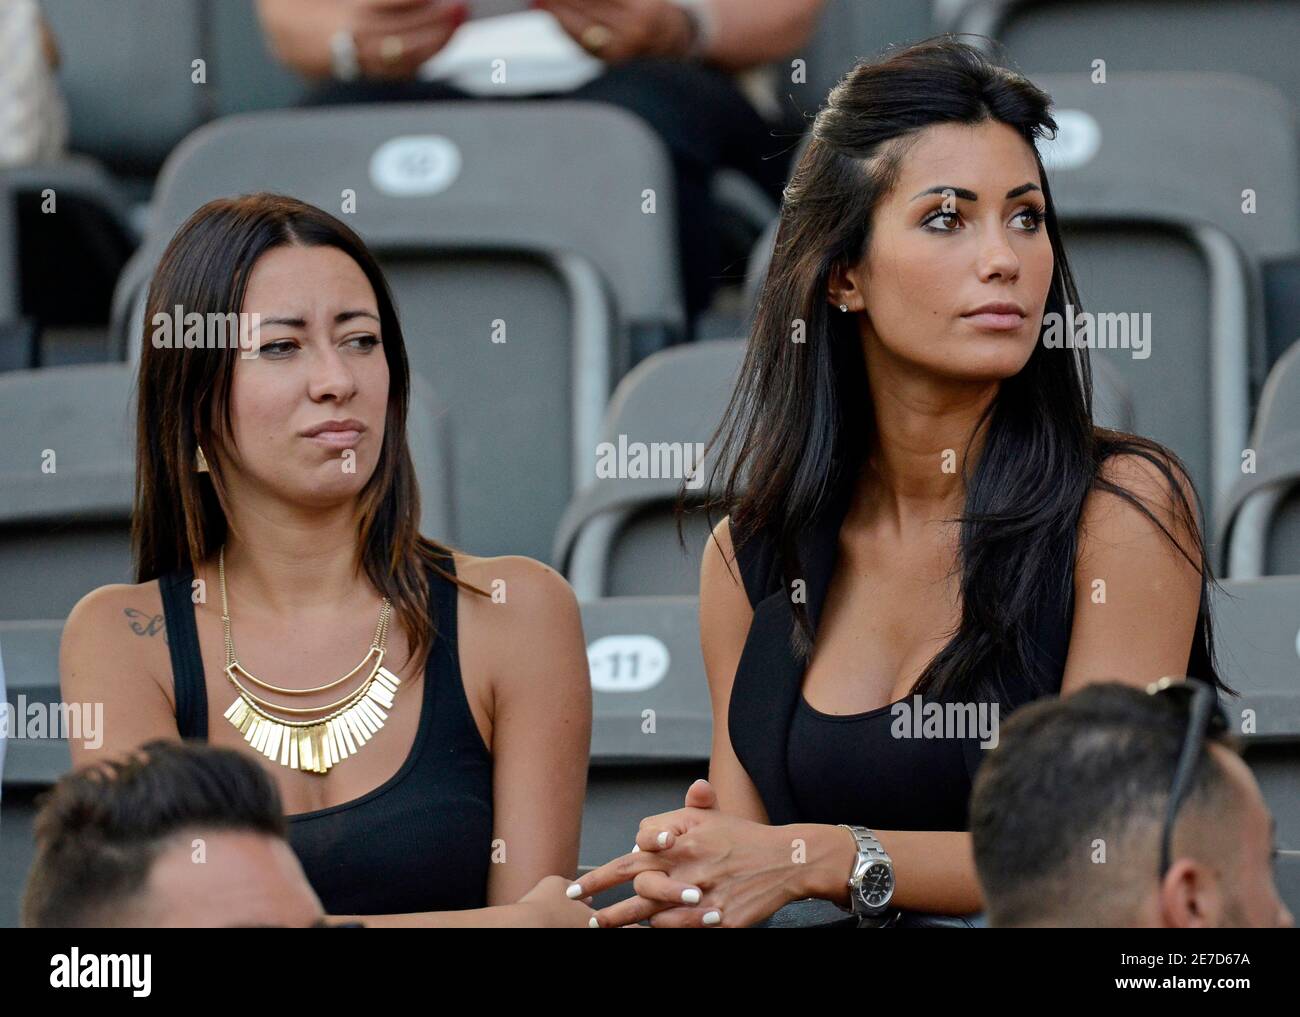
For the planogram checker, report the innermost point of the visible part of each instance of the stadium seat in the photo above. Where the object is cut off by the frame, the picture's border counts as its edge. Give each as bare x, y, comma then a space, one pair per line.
150, 101
849, 30
1257, 634
524, 283
1050, 36
67, 482
245, 74
66, 476
651, 727
30, 650
4, 738
1153, 221
29, 654
618, 536
60, 219
1259, 523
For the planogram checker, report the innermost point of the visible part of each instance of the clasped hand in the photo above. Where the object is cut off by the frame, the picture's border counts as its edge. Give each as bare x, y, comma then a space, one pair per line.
698, 867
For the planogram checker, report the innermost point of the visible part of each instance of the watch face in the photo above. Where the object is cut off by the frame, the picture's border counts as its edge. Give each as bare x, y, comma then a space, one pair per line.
877, 884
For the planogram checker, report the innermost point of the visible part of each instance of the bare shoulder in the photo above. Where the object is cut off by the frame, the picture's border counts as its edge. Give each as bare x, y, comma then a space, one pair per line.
530, 613
1152, 478
719, 547
110, 612
524, 586
116, 630
719, 571
1161, 489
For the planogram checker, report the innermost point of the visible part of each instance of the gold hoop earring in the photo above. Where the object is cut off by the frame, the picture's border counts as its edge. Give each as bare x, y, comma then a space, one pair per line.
200, 461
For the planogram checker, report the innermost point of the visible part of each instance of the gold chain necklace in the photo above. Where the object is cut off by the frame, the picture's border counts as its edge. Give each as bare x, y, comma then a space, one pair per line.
311, 745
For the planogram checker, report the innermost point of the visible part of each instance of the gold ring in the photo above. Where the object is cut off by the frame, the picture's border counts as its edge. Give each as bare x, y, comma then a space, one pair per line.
595, 37
391, 49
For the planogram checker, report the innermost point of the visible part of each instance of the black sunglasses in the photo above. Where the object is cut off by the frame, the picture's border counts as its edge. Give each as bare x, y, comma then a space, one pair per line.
1205, 715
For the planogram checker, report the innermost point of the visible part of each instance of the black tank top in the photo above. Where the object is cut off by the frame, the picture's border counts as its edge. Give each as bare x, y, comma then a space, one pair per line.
421, 841
810, 767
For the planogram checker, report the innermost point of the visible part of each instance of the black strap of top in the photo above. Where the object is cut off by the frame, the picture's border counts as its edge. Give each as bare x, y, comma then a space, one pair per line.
187, 662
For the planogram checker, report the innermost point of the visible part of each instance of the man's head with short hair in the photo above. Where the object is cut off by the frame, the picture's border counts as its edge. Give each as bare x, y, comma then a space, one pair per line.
174, 835
1067, 813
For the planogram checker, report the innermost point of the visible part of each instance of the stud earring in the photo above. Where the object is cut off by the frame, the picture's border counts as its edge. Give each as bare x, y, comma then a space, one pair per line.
200, 461
844, 307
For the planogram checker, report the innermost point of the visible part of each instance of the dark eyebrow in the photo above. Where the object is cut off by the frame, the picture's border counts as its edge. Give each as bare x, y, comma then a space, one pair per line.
966, 195
339, 319
343, 316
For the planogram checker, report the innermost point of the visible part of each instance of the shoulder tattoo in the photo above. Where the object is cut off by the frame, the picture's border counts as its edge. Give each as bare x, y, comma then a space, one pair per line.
143, 624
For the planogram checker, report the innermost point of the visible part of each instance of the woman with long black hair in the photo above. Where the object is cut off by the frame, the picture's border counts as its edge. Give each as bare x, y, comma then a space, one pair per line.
925, 528
440, 779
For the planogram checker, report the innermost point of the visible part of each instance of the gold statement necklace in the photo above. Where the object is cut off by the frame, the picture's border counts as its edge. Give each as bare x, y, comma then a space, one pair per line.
311, 745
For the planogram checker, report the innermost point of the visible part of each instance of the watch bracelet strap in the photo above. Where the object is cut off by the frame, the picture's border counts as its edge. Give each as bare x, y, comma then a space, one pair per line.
869, 850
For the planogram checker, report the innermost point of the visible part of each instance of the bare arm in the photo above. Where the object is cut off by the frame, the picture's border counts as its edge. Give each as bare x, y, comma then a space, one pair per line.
745, 34
725, 617
545, 906
299, 32
114, 653
1136, 596
531, 648
934, 871
749, 34
531, 645
1143, 577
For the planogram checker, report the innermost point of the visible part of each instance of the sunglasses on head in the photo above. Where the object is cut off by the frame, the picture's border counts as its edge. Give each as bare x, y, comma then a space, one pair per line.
1205, 716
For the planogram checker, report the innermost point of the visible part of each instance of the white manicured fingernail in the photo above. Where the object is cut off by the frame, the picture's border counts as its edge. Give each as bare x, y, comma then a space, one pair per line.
574, 891
712, 917
592, 923
662, 839
691, 896
636, 847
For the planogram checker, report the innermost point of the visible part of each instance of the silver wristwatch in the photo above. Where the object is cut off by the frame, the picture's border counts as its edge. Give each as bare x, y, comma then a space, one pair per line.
871, 884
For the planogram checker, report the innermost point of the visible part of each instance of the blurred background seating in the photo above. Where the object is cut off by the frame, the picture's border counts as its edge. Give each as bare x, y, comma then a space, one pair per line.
532, 214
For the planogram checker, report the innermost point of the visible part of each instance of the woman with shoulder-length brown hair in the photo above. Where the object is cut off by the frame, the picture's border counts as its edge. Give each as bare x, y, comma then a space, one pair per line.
429, 741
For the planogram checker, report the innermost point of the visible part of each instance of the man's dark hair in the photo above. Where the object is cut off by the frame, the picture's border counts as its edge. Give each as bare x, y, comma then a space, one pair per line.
1072, 778
100, 828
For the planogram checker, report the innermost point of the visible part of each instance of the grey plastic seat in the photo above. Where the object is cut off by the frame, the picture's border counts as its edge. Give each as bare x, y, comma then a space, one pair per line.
245, 74
30, 651
29, 667
3, 737
484, 221
619, 536
66, 530
1152, 215
66, 476
1259, 522
1258, 642
652, 722
92, 211
130, 102
1256, 38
